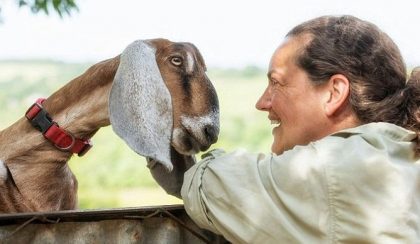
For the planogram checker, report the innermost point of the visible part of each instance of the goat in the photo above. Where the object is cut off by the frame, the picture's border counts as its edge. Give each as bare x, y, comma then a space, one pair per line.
155, 95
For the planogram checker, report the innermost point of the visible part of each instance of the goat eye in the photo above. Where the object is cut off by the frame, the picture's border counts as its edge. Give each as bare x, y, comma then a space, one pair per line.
177, 61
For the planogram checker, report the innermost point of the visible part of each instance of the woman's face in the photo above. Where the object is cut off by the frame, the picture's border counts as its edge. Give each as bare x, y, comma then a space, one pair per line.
293, 103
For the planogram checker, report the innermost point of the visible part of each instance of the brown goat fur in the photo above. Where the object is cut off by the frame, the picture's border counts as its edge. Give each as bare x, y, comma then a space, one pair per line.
38, 176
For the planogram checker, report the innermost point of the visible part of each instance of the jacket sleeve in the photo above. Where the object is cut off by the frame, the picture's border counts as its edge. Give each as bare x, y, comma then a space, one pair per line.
257, 198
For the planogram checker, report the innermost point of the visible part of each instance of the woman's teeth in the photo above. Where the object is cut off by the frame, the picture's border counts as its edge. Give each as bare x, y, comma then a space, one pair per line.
275, 122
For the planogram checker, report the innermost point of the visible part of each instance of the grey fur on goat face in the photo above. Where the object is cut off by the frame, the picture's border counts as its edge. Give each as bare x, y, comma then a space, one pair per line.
162, 97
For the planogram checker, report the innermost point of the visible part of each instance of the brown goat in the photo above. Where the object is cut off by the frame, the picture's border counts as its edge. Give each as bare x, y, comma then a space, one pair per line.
34, 174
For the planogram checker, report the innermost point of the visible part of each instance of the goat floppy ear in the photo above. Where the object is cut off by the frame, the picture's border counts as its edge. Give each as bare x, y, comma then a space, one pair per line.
140, 105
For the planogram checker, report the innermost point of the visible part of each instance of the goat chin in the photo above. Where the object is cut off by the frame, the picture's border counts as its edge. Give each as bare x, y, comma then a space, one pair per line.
197, 134
187, 142
171, 181
184, 143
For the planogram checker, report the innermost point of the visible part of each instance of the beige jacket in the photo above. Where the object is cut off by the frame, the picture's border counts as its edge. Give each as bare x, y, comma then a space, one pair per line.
360, 185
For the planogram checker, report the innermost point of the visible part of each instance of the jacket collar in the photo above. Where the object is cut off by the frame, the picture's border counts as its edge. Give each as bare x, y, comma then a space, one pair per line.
389, 130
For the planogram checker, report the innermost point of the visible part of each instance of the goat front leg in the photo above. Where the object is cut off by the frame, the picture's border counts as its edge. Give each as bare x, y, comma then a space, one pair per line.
171, 181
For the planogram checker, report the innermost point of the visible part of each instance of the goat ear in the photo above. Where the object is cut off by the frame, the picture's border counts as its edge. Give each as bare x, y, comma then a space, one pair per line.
140, 106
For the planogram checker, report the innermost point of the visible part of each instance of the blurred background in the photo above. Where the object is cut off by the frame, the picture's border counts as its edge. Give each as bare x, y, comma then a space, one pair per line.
42, 48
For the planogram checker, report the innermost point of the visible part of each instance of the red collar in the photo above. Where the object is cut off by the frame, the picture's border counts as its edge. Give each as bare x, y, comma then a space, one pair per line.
63, 140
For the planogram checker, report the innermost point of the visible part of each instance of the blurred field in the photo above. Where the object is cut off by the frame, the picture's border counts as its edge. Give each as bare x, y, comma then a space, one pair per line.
111, 175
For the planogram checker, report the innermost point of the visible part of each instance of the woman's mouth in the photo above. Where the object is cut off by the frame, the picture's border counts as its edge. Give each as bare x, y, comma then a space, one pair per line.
276, 123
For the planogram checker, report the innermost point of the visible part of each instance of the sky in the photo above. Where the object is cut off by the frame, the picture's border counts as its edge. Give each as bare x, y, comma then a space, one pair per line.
229, 33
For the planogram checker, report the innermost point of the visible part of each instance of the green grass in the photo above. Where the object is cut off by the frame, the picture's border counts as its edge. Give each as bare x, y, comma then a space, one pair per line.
111, 175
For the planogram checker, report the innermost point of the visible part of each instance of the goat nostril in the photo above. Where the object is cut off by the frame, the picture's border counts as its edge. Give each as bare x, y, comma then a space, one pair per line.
211, 133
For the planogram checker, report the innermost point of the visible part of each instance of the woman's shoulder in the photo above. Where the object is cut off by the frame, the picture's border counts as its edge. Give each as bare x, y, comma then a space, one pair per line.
368, 141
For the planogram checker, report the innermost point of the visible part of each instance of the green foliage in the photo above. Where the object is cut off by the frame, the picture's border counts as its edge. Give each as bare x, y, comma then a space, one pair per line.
111, 175
59, 6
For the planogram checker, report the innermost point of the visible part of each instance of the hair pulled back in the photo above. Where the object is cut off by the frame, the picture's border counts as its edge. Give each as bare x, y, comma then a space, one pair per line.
379, 88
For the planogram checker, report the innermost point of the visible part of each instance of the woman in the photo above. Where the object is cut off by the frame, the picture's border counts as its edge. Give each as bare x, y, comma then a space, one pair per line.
345, 163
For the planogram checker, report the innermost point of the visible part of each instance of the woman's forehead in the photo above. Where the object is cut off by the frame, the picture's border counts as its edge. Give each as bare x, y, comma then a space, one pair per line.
284, 55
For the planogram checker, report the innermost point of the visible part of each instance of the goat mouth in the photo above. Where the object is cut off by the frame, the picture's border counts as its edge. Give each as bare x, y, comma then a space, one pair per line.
186, 143
196, 133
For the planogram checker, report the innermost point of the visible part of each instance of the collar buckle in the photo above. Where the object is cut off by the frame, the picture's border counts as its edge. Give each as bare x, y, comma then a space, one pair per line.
41, 120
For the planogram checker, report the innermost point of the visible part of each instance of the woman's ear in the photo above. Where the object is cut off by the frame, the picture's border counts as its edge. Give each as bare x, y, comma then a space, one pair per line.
338, 93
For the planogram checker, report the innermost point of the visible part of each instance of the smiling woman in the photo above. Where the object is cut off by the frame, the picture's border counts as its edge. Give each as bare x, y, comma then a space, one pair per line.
345, 148
288, 82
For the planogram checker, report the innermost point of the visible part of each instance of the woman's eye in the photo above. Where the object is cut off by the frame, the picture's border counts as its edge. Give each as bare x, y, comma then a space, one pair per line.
274, 82
277, 83
177, 61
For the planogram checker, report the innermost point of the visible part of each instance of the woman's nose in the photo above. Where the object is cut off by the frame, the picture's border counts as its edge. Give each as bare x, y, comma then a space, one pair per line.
264, 102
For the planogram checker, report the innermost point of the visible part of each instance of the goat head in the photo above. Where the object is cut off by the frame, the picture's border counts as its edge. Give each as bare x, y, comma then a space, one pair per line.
163, 105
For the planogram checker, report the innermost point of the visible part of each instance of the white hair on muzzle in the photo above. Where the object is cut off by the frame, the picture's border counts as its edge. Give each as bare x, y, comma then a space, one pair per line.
197, 123
3, 171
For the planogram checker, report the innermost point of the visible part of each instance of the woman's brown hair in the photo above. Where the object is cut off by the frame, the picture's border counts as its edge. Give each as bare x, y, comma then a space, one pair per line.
379, 88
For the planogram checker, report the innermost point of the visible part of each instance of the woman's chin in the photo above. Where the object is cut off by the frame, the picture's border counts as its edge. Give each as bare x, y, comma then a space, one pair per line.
278, 145
276, 148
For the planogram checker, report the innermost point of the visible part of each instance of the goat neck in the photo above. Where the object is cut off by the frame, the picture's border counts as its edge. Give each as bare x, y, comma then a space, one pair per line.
79, 107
